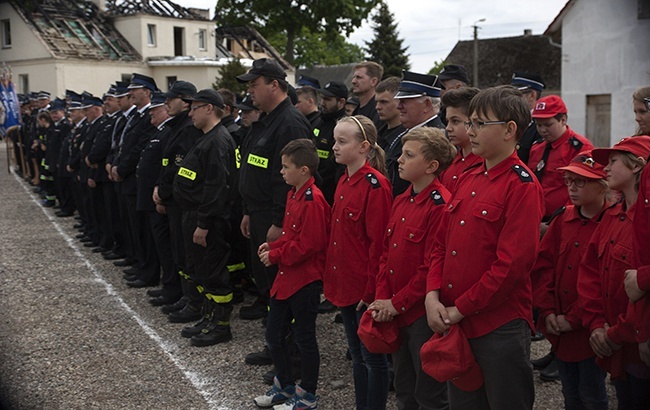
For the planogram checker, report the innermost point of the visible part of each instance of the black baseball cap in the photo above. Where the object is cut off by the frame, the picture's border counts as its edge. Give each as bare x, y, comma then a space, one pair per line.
181, 89
453, 72
263, 67
209, 96
246, 104
334, 89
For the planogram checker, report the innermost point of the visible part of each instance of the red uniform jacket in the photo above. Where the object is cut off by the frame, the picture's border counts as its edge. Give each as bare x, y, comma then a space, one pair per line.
555, 289
600, 286
449, 177
641, 247
300, 251
413, 224
564, 150
482, 261
359, 216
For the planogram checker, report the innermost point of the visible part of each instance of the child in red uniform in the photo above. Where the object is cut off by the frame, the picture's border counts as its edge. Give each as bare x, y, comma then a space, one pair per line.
480, 266
359, 216
555, 289
401, 282
607, 312
295, 294
560, 145
456, 103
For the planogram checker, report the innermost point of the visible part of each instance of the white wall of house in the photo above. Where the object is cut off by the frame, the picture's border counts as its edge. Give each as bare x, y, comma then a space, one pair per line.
135, 30
604, 51
25, 45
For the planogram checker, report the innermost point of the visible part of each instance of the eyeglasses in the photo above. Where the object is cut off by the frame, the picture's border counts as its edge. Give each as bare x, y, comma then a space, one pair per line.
477, 125
197, 107
579, 182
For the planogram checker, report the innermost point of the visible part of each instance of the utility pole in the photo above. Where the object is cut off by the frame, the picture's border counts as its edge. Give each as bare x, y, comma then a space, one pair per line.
475, 69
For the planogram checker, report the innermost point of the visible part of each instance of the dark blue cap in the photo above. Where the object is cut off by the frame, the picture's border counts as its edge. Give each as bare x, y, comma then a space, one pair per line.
142, 81
304, 80
90, 101
335, 89
246, 104
43, 95
524, 81
158, 99
453, 72
415, 85
57, 105
121, 88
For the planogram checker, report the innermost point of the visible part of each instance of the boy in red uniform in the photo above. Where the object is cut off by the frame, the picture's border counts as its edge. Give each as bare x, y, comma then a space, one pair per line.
456, 103
560, 145
555, 290
606, 308
401, 281
480, 266
295, 294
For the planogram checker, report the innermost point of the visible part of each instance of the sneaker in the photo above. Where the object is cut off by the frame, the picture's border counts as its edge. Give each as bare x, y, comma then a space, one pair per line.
302, 400
257, 310
276, 395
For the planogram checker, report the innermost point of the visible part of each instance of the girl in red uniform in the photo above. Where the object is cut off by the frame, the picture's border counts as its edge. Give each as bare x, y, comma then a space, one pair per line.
555, 295
360, 213
601, 293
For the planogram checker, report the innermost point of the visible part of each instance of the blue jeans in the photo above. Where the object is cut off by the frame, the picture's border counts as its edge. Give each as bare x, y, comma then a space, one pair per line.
583, 385
303, 307
370, 370
633, 393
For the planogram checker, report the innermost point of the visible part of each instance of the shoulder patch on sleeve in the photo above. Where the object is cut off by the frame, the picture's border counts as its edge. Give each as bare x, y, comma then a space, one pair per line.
575, 143
522, 173
372, 178
437, 198
309, 195
555, 214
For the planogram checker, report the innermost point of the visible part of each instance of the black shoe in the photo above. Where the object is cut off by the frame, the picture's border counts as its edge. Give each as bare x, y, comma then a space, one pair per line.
131, 271
80, 235
237, 296
167, 309
255, 311
338, 318
187, 314
268, 376
326, 307
113, 256
91, 245
543, 362
537, 336
550, 373
99, 249
211, 335
154, 293
130, 278
62, 214
78, 226
348, 355
138, 283
86, 239
196, 328
77, 218
162, 301
124, 262
47, 204
262, 358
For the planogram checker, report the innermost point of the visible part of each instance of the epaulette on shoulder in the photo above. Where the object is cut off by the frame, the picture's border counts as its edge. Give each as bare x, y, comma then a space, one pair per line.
478, 164
309, 195
555, 214
372, 178
576, 143
522, 173
437, 198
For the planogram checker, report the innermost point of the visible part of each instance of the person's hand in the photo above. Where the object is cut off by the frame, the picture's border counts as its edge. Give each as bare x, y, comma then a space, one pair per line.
542, 230
116, 176
263, 248
264, 258
454, 315
245, 226
155, 197
273, 233
437, 316
598, 343
87, 161
200, 236
92, 183
564, 324
69, 169
552, 326
361, 305
383, 310
161, 209
632, 286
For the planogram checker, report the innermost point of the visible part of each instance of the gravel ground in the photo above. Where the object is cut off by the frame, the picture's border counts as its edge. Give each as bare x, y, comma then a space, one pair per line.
74, 336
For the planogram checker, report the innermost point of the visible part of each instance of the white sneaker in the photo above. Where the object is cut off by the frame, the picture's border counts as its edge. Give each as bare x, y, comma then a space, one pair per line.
302, 400
276, 395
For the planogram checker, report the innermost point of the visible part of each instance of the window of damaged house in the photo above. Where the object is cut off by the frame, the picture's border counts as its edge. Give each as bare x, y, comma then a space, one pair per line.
151, 35
5, 26
179, 41
203, 40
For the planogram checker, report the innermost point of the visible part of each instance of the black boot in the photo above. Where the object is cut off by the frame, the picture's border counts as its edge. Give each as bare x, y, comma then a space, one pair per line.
218, 328
195, 329
543, 362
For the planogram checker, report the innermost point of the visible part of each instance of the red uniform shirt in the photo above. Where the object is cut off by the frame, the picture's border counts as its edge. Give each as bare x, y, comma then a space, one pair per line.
600, 286
359, 216
564, 149
300, 251
413, 224
641, 247
482, 261
449, 177
556, 279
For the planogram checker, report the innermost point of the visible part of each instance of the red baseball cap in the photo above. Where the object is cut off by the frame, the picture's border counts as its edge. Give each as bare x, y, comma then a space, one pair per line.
586, 166
378, 337
449, 358
638, 146
549, 106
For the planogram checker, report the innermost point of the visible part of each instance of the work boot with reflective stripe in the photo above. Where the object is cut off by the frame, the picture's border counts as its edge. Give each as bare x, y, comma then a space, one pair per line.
195, 329
218, 328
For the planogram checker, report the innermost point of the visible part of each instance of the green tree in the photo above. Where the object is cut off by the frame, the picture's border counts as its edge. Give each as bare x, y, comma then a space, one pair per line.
289, 17
386, 47
319, 48
227, 77
437, 67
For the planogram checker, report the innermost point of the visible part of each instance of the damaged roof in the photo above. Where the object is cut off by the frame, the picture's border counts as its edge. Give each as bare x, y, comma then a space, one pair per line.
162, 8
239, 33
75, 29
